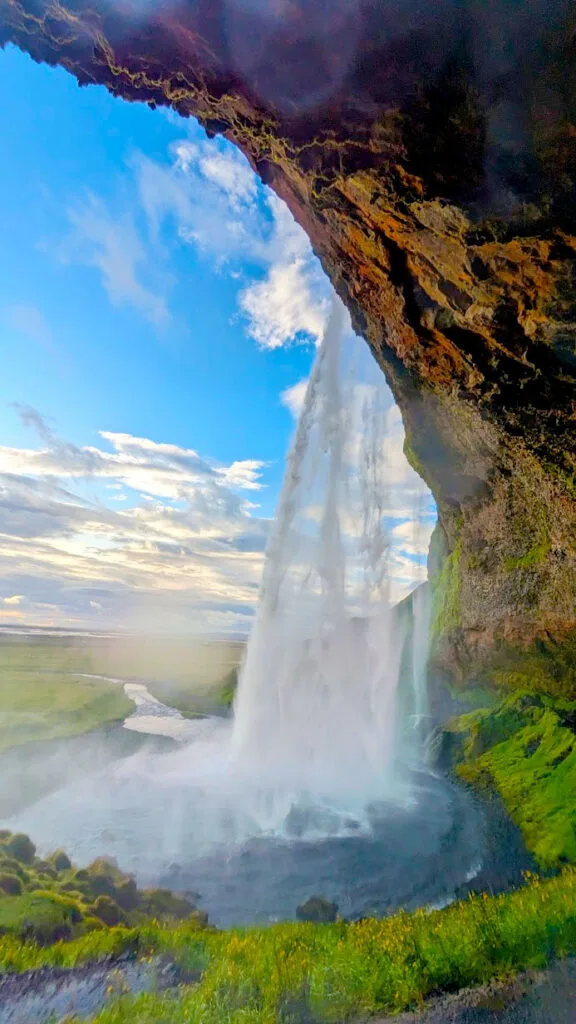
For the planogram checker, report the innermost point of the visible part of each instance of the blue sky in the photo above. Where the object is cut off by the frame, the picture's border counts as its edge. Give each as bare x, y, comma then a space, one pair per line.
159, 309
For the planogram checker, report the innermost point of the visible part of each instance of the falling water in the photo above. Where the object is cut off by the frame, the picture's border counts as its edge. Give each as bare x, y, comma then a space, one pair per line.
315, 716
325, 742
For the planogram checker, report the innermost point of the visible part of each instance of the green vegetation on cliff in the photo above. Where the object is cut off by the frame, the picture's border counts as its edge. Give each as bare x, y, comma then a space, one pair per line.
329, 972
50, 899
525, 748
445, 585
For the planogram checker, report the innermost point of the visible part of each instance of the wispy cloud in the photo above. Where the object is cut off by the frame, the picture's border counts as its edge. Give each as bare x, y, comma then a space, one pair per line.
184, 544
110, 241
293, 397
30, 321
182, 550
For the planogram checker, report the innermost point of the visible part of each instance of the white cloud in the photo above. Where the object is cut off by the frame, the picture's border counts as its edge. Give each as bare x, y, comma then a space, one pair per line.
211, 195
293, 397
161, 470
186, 554
282, 308
184, 551
110, 241
205, 194
413, 536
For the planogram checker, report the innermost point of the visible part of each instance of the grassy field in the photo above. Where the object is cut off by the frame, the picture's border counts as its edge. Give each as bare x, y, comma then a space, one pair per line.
292, 972
40, 689
40, 706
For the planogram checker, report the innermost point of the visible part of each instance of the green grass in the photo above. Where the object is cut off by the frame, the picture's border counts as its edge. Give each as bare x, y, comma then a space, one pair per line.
43, 916
41, 706
332, 972
525, 748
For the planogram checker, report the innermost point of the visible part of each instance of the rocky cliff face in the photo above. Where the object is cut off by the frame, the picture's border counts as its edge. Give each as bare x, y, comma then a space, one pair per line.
429, 150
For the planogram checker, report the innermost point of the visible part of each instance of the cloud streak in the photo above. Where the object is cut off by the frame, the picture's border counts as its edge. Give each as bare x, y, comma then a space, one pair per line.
185, 551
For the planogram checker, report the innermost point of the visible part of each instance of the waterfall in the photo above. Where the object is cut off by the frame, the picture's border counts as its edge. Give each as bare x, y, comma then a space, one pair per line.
315, 731
325, 742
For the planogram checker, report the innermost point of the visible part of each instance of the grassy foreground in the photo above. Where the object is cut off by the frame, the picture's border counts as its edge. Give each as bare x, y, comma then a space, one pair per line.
296, 972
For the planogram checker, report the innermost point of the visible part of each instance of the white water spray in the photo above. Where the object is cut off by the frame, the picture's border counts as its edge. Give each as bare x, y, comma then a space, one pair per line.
315, 716
323, 735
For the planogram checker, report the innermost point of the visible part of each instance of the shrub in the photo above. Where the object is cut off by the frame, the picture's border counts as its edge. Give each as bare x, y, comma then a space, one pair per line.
107, 911
60, 860
43, 867
163, 905
21, 848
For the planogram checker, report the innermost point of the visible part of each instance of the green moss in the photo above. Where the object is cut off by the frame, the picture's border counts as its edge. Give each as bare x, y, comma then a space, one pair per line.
547, 666
101, 891
534, 556
445, 587
526, 749
226, 690
44, 917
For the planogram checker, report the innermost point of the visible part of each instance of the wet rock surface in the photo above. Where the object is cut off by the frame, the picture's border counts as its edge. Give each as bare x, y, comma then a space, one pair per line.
36, 997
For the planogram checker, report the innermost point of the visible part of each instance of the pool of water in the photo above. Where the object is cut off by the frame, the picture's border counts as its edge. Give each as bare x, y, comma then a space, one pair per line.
174, 817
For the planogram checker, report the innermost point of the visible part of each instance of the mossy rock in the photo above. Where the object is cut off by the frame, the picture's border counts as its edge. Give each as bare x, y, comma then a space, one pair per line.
14, 867
93, 924
525, 749
10, 885
107, 911
164, 905
43, 867
317, 910
127, 895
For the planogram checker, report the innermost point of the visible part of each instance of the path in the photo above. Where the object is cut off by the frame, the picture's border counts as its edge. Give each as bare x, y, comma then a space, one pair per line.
545, 998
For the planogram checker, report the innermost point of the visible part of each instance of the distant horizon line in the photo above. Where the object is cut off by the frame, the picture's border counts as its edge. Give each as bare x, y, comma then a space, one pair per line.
26, 630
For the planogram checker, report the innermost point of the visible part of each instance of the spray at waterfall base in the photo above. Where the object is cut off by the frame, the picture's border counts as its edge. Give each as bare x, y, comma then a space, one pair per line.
316, 785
